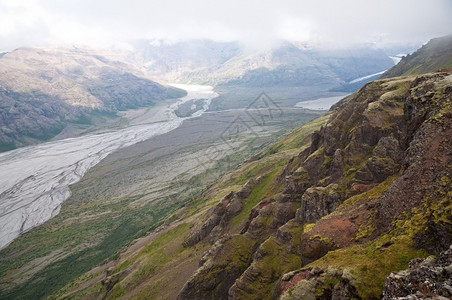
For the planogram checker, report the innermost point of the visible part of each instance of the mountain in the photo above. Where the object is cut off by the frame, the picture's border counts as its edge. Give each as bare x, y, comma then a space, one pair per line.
327, 212
287, 71
434, 55
44, 90
286, 63
188, 61
50, 90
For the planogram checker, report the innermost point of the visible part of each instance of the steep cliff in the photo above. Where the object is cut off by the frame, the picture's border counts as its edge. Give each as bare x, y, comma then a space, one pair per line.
371, 192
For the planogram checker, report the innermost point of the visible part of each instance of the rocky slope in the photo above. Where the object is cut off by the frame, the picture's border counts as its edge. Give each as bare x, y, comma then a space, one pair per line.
435, 55
322, 216
371, 192
44, 90
425, 278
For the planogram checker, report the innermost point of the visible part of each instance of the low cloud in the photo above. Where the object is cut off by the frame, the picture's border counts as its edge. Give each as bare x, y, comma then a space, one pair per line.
102, 23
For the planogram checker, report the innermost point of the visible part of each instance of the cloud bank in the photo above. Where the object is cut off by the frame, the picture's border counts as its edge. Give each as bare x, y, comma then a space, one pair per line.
103, 23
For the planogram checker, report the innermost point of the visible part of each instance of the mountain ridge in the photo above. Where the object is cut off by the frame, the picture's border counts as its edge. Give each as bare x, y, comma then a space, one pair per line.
43, 90
434, 55
285, 63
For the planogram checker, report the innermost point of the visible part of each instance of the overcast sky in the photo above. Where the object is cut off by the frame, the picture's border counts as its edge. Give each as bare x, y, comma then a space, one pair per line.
102, 23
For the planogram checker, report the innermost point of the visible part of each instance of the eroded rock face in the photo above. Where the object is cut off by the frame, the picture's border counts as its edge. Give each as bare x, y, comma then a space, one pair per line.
384, 152
219, 216
429, 278
315, 284
385, 161
317, 202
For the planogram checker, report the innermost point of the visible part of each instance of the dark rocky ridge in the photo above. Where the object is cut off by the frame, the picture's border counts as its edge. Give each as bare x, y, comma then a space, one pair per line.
387, 151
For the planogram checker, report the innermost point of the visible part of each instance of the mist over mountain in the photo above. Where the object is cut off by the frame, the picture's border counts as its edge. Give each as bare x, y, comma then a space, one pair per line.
285, 64
434, 55
45, 89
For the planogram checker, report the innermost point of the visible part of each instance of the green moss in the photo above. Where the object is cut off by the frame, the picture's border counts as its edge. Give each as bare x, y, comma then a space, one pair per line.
274, 261
366, 229
234, 258
297, 138
328, 283
326, 162
117, 292
317, 154
436, 207
264, 189
370, 264
373, 193
308, 227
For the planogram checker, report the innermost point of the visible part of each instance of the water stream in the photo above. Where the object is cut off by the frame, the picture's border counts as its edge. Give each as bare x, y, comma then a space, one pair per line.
35, 180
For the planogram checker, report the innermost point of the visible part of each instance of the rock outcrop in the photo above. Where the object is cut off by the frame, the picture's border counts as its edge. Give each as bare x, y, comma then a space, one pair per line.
384, 155
429, 278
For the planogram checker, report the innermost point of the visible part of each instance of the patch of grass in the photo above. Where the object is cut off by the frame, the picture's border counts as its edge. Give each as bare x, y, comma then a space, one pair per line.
57, 274
296, 139
373, 193
370, 264
264, 189
274, 261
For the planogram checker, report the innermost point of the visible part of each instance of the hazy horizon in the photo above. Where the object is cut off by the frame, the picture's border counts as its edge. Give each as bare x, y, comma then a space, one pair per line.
103, 24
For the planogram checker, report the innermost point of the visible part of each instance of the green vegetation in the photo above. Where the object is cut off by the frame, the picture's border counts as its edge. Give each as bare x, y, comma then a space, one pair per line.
55, 275
434, 55
373, 193
101, 219
274, 260
371, 263
264, 189
151, 264
297, 138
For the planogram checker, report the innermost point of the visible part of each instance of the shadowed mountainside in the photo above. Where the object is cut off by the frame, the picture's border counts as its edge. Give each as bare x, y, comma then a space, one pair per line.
44, 90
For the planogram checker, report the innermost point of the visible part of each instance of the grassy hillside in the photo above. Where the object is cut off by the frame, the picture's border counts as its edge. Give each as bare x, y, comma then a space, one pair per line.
321, 215
129, 195
158, 265
435, 55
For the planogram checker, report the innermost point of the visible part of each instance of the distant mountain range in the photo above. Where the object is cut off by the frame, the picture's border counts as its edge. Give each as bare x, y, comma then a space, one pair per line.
44, 90
286, 64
